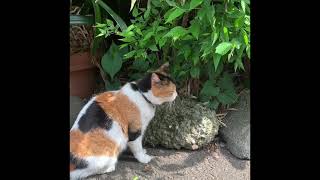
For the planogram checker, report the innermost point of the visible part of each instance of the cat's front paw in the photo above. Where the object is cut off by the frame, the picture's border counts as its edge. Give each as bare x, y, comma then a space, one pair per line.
144, 158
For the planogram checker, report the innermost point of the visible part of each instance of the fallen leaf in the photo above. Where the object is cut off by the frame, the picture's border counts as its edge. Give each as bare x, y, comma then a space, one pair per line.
147, 168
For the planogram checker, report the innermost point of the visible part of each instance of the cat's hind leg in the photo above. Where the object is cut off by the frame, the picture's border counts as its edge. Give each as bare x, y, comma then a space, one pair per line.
110, 167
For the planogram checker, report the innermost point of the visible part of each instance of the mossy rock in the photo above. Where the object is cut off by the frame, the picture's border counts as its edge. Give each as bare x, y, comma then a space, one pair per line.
185, 123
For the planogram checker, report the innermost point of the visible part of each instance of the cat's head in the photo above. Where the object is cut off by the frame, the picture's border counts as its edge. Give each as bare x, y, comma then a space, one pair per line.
158, 86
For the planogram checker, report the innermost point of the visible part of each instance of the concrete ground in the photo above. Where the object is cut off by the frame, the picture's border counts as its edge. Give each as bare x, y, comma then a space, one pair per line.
212, 162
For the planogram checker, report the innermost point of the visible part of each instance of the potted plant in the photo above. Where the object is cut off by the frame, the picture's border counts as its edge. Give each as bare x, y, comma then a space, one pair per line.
90, 46
82, 68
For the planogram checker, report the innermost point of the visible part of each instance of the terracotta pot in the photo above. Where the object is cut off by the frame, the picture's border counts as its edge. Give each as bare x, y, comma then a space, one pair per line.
82, 75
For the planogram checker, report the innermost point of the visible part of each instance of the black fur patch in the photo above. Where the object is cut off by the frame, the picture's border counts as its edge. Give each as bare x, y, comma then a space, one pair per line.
145, 83
134, 87
165, 78
134, 135
94, 117
78, 162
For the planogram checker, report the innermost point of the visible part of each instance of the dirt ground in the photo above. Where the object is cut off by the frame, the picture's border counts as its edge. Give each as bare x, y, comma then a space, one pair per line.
212, 162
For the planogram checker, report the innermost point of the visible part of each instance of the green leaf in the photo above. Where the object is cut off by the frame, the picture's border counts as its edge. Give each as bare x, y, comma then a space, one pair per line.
130, 28
223, 48
210, 14
226, 98
135, 178
246, 39
248, 51
247, 1
236, 43
171, 3
176, 32
226, 33
209, 90
216, 60
153, 47
247, 20
130, 54
161, 28
195, 58
243, 6
195, 72
138, 30
154, 11
166, 15
135, 12
148, 36
182, 74
162, 41
111, 60
123, 45
230, 56
195, 3
147, 13
214, 104
99, 25
238, 63
128, 39
238, 23
176, 13
114, 15
214, 37
225, 82
123, 51
140, 65
202, 13
111, 86
187, 37
195, 29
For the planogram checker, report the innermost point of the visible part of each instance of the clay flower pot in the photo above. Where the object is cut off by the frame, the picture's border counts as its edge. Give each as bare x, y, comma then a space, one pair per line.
82, 75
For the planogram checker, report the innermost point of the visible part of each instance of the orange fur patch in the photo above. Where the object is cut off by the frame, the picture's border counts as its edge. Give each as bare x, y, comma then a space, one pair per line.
93, 143
120, 109
72, 167
164, 89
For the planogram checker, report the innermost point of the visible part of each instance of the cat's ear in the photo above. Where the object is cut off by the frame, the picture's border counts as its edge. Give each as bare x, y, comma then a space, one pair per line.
164, 68
155, 78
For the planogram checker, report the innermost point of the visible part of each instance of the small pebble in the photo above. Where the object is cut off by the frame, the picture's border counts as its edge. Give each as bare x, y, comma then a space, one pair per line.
215, 155
222, 144
194, 147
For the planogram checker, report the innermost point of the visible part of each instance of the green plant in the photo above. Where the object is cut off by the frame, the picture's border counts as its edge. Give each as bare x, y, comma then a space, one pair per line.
111, 59
81, 30
205, 41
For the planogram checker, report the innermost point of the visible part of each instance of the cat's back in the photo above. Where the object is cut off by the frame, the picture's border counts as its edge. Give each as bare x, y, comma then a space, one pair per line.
104, 119
97, 137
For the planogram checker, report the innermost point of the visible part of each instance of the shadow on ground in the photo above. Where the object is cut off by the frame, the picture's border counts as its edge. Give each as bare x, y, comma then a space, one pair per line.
180, 164
234, 161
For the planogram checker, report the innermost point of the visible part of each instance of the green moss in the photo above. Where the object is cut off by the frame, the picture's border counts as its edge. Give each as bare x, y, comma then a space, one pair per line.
184, 124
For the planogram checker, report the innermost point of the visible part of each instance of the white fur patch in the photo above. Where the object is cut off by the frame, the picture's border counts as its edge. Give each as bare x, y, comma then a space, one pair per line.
159, 101
116, 134
146, 111
82, 112
96, 165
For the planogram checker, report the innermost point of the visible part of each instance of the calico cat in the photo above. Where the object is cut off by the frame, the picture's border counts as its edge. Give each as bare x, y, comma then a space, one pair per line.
113, 120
